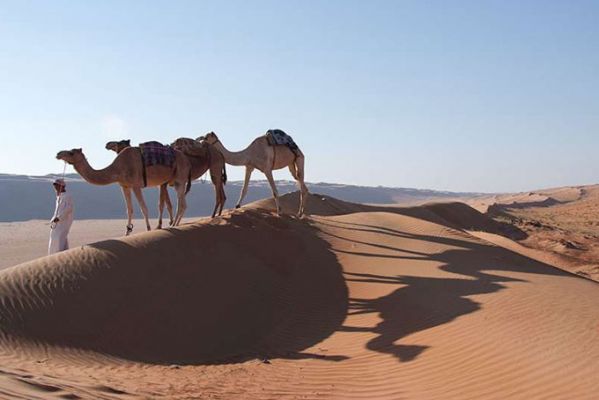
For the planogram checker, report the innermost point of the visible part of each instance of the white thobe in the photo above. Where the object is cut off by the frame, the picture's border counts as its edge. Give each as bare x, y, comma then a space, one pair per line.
60, 231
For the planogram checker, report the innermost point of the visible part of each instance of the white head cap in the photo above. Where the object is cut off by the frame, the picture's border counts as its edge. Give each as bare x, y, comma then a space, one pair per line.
59, 182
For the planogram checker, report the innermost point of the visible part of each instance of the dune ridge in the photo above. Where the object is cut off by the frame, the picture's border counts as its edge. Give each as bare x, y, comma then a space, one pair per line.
352, 302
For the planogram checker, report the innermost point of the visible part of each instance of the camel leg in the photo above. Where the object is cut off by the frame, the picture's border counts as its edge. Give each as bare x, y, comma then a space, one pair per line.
160, 207
301, 187
215, 184
244, 190
128, 203
293, 171
303, 197
142, 204
219, 189
181, 203
299, 176
216, 199
273, 187
223, 198
164, 199
169, 205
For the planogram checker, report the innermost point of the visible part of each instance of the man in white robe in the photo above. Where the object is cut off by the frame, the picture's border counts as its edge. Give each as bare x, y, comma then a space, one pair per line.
62, 220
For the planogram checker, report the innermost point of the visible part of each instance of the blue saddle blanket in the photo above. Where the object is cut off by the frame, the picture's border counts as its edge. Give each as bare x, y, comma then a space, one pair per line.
278, 137
155, 153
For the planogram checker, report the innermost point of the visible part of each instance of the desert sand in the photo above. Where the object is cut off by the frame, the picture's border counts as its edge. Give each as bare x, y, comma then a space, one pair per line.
353, 301
26, 240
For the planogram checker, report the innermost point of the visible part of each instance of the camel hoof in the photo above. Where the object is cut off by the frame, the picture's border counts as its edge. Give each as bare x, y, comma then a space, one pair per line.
238, 205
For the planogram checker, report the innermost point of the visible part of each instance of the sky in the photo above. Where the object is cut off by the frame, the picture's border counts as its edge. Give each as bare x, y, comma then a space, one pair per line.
493, 96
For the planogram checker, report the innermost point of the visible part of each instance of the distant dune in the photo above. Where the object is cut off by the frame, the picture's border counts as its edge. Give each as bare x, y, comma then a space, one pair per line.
561, 223
31, 197
354, 301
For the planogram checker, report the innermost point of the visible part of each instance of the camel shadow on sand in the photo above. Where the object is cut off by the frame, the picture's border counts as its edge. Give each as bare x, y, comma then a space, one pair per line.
422, 302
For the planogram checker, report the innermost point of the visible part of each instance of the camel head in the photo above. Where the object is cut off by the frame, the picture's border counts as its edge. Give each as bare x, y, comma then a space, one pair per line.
119, 146
70, 156
210, 138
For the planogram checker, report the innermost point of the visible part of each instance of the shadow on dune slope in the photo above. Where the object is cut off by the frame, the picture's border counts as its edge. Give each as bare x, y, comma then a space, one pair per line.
423, 302
252, 286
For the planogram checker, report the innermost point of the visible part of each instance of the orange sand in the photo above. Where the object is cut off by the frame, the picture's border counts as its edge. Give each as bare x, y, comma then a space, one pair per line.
351, 302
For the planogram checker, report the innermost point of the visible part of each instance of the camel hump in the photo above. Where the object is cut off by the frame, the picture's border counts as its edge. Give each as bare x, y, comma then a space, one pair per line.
128, 150
152, 143
278, 137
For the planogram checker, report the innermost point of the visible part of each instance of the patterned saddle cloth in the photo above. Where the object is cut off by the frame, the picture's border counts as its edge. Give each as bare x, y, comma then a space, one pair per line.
277, 136
155, 153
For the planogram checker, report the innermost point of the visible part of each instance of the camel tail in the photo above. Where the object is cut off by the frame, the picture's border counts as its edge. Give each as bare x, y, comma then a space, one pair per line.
188, 187
224, 174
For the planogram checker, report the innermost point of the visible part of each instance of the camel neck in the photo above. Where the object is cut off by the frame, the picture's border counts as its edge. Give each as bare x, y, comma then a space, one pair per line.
232, 157
103, 176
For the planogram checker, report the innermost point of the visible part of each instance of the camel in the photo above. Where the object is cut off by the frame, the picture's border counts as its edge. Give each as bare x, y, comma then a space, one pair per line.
266, 158
203, 156
127, 171
119, 146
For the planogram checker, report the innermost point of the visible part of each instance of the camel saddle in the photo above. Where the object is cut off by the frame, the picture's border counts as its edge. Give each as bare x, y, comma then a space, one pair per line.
278, 137
155, 153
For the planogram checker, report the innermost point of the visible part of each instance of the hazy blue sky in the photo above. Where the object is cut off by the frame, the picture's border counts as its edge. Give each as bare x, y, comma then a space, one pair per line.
462, 95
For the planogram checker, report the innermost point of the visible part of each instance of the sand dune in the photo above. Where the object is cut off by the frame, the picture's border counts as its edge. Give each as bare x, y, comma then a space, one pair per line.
352, 302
